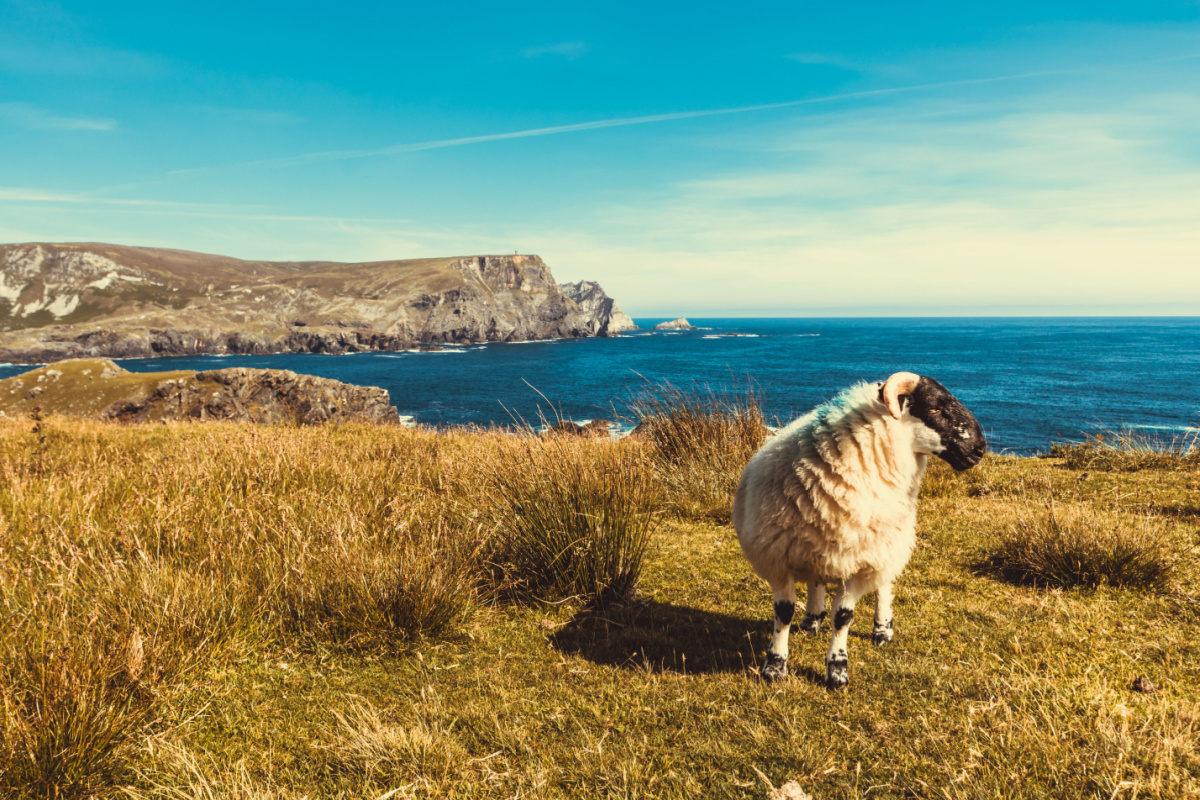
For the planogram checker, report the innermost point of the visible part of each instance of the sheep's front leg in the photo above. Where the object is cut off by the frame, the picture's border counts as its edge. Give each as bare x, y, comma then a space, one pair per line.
814, 609
837, 673
883, 616
775, 667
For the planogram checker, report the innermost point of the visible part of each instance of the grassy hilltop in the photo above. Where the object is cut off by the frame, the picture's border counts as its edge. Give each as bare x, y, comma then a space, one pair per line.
356, 611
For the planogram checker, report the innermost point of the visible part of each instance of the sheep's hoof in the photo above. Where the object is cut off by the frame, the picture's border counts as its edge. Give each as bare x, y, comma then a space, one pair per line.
882, 635
837, 675
775, 669
812, 622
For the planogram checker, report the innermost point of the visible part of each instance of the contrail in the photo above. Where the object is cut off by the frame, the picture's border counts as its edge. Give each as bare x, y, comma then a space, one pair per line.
619, 122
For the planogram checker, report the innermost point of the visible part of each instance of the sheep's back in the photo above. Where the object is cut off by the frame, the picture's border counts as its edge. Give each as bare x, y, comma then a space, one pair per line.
813, 504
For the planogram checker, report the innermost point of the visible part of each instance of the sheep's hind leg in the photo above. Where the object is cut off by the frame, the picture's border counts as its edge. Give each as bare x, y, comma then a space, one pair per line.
883, 633
814, 609
837, 672
775, 667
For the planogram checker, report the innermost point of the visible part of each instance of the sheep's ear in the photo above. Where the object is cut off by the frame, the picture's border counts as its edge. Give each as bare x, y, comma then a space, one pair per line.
899, 384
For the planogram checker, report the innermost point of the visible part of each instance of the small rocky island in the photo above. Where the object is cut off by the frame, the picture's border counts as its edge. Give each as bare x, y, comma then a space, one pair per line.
96, 388
61, 301
680, 324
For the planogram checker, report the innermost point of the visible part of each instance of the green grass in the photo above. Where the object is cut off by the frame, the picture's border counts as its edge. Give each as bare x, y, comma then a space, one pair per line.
214, 611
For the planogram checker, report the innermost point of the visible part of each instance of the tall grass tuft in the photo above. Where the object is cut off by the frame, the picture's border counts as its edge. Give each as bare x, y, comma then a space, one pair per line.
701, 441
411, 582
1068, 546
1130, 450
573, 517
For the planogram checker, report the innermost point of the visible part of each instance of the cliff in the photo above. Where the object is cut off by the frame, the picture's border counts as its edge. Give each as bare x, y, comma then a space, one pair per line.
99, 389
591, 299
86, 300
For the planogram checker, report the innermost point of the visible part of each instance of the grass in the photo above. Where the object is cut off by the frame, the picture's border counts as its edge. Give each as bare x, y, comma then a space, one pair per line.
700, 441
1130, 450
212, 611
572, 521
1076, 545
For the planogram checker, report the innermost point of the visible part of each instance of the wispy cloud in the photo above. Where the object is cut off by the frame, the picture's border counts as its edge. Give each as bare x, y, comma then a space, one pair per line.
255, 116
842, 62
56, 56
619, 122
14, 194
1074, 202
34, 118
568, 50
17, 194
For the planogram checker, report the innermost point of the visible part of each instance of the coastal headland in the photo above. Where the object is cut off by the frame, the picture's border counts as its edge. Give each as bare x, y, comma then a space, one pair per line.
84, 300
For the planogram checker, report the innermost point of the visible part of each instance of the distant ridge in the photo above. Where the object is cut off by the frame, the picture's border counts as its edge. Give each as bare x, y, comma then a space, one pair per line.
104, 300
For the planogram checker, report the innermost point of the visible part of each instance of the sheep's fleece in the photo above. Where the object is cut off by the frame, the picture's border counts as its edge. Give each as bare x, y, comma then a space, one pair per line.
832, 498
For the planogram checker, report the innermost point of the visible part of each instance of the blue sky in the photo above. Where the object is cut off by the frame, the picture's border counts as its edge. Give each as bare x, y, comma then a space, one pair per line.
794, 159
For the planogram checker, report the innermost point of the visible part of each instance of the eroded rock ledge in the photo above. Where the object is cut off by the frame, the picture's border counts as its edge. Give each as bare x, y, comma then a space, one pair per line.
99, 389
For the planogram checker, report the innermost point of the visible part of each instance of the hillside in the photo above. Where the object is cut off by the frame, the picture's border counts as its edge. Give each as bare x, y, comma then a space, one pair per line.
86, 300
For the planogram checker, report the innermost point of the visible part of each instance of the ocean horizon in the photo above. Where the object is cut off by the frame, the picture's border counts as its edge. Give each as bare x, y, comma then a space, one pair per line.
1029, 380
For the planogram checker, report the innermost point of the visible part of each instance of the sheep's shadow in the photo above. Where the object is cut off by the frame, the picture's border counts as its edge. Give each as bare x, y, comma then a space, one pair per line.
661, 637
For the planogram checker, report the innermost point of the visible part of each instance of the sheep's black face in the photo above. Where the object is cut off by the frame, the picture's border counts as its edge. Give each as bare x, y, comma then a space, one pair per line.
942, 413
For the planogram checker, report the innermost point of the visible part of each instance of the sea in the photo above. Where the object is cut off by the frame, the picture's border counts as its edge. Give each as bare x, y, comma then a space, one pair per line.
1030, 381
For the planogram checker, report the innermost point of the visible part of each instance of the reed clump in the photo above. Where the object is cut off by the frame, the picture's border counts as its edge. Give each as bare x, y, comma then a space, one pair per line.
573, 517
1073, 545
701, 439
1130, 450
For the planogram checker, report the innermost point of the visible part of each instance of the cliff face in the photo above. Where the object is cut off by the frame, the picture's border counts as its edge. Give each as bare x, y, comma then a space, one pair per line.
83, 300
608, 317
99, 389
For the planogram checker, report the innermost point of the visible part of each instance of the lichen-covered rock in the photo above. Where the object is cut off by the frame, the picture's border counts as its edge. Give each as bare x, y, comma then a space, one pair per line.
99, 389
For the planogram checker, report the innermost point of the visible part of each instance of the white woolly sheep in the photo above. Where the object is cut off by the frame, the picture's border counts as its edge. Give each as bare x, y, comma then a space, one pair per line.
832, 498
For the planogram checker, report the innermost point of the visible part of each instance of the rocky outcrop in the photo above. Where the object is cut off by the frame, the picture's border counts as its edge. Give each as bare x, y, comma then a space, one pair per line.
680, 324
608, 317
596, 428
99, 389
96, 300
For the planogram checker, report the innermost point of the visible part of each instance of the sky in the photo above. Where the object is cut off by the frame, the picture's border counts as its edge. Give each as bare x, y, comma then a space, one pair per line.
781, 159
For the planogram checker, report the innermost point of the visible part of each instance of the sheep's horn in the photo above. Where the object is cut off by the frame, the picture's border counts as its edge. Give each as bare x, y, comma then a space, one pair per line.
899, 384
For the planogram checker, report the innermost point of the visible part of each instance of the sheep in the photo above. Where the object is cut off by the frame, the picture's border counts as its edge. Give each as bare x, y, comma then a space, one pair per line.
832, 498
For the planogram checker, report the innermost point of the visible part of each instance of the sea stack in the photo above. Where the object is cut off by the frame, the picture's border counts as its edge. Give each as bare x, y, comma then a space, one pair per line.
680, 324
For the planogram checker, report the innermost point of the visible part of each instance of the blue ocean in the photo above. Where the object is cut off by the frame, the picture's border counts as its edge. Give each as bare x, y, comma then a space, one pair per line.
1030, 381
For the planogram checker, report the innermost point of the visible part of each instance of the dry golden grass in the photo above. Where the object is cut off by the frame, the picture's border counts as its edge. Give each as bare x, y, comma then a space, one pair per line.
1076, 545
700, 441
1130, 450
204, 611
